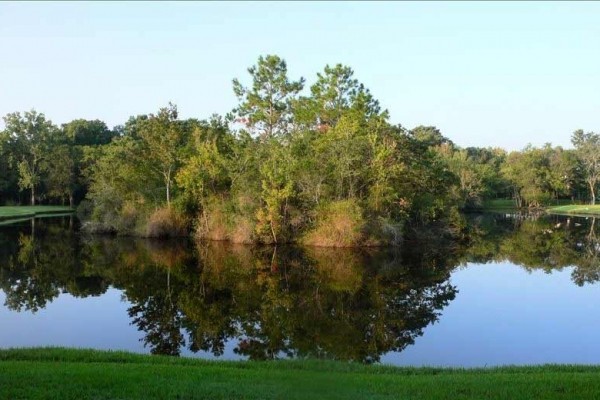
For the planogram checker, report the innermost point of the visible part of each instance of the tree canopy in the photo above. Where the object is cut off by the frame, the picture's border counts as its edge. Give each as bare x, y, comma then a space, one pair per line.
290, 163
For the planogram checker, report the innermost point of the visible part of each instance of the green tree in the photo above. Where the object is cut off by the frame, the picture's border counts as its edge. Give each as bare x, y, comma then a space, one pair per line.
587, 146
530, 175
333, 95
265, 107
162, 141
8, 174
61, 181
430, 136
31, 133
206, 170
277, 188
83, 132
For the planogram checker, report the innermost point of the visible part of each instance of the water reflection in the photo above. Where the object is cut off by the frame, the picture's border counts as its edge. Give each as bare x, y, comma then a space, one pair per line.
286, 301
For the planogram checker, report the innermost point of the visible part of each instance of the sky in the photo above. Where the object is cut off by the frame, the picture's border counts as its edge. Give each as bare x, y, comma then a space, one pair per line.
500, 74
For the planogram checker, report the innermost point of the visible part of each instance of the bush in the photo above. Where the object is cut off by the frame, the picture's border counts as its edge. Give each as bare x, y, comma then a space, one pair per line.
166, 222
243, 231
220, 222
339, 224
128, 219
213, 221
84, 210
381, 231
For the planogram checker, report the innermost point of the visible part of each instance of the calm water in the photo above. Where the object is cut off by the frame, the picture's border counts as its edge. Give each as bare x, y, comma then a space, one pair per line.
516, 291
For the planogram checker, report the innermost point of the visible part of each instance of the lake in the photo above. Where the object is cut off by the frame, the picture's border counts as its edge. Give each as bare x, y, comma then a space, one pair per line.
514, 290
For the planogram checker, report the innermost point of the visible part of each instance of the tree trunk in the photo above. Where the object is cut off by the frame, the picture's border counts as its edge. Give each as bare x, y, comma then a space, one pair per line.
33, 195
168, 195
592, 192
273, 230
167, 176
71, 200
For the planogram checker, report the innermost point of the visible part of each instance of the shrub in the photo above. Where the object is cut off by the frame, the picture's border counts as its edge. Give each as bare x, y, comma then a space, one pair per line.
381, 231
128, 219
219, 221
243, 231
166, 222
84, 210
338, 224
213, 221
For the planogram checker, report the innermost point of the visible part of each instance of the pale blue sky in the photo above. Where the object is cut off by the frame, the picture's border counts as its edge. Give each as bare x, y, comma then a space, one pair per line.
487, 74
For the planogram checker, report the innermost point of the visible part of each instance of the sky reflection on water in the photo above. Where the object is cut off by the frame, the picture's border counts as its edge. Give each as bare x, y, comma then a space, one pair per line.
230, 302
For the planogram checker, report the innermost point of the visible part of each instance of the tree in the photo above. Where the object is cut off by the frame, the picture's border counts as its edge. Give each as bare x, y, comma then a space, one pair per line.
8, 175
530, 175
430, 136
162, 139
83, 132
62, 179
333, 95
277, 188
265, 107
206, 170
31, 133
587, 146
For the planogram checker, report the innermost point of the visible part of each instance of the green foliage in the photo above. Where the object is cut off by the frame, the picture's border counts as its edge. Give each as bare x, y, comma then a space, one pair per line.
82, 132
336, 93
537, 175
277, 188
31, 134
162, 140
587, 147
265, 107
294, 154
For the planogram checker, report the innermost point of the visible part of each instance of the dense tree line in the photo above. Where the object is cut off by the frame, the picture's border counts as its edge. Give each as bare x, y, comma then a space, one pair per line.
321, 165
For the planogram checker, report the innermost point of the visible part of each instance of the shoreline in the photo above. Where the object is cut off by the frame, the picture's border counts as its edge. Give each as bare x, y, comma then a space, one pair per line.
18, 212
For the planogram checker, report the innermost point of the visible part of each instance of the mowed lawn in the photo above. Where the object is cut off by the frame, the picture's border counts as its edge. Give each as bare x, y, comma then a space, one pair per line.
584, 209
10, 212
86, 374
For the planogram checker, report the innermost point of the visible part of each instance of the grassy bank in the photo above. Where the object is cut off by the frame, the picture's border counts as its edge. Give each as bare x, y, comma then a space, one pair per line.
498, 204
78, 374
578, 209
17, 212
555, 206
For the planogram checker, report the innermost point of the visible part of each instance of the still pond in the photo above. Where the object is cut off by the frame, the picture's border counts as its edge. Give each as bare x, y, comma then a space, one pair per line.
517, 290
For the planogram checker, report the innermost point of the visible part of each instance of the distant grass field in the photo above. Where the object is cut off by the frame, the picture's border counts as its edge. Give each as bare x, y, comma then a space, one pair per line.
18, 212
499, 204
86, 374
581, 209
509, 204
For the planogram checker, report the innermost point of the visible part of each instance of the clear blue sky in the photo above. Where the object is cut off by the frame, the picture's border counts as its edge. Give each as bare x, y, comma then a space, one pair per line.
487, 74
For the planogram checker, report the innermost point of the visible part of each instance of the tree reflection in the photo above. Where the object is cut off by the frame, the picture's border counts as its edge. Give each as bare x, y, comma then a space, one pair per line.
281, 302
546, 243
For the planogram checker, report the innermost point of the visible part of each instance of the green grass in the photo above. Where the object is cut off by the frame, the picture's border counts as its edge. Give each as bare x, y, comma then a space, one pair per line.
498, 204
581, 209
54, 373
509, 204
19, 212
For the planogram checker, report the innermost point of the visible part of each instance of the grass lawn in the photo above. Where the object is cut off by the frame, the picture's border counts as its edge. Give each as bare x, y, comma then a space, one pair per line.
583, 209
14, 212
496, 204
86, 374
